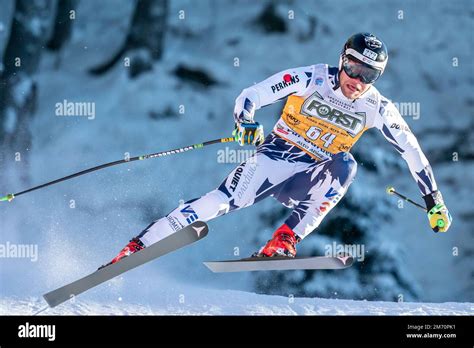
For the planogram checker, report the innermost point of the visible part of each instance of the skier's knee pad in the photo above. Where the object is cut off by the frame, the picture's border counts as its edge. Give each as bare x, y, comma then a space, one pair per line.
344, 166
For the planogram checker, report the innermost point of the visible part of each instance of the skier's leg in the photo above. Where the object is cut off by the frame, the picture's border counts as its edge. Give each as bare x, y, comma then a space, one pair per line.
253, 180
312, 193
327, 181
247, 184
205, 208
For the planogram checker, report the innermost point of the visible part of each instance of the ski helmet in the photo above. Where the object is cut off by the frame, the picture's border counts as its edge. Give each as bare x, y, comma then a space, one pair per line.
367, 49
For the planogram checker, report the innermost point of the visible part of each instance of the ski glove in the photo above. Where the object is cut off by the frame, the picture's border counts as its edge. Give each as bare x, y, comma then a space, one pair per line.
438, 215
248, 133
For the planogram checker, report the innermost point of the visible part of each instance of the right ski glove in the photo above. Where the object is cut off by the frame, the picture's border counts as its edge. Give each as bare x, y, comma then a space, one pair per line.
248, 133
438, 214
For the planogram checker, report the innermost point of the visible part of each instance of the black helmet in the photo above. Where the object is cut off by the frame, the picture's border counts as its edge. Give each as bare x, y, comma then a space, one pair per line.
366, 48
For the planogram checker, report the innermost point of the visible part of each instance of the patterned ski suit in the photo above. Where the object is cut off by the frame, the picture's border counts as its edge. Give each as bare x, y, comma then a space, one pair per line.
305, 161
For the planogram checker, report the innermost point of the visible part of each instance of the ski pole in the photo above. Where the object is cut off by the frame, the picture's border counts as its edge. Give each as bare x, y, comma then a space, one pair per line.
9, 197
391, 191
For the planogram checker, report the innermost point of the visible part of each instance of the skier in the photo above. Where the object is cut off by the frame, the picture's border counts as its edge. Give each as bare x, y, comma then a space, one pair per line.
305, 162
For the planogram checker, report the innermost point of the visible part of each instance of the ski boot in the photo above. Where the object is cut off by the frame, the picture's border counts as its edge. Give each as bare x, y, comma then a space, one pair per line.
283, 243
132, 247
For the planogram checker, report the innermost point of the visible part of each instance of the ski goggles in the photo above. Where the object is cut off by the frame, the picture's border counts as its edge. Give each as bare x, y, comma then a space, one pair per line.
361, 71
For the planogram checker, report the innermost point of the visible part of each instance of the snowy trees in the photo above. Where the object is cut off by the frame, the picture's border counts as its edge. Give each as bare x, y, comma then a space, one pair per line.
144, 42
18, 93
63, 24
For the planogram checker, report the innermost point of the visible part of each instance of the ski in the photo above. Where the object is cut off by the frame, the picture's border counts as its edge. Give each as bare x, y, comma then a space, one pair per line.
280, 263
181, 238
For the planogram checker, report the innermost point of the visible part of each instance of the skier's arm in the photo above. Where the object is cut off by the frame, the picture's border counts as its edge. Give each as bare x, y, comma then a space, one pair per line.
274, 88
396, 132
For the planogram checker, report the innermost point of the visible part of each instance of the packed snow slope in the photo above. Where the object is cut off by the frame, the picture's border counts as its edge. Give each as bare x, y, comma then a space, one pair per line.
199, 301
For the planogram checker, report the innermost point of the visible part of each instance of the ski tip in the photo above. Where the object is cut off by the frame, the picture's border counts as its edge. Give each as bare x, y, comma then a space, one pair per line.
201, 229
208, 264
347, 260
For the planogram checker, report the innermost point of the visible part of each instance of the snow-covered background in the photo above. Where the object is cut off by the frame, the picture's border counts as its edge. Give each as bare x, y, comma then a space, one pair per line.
82, 223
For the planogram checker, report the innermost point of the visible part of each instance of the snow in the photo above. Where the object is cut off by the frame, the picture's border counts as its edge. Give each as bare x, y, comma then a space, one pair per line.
201, 301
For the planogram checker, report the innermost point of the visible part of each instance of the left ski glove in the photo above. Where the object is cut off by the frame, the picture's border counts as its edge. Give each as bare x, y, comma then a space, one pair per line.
249, 133
438, 214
